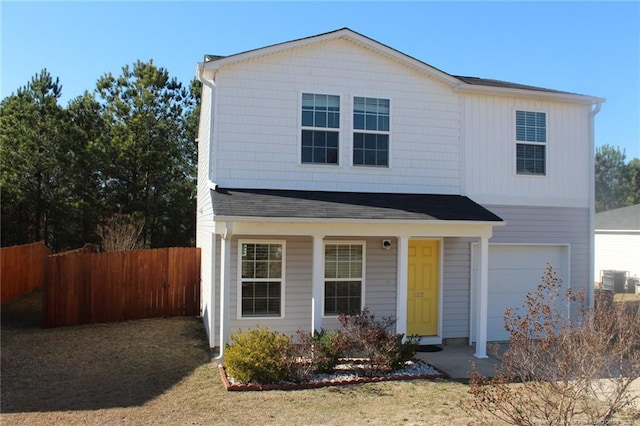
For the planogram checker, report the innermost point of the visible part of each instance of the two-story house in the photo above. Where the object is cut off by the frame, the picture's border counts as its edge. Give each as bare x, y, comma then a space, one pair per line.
337, 173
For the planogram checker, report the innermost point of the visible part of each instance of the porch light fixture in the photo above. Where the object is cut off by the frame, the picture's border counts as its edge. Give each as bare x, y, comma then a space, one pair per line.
386, 244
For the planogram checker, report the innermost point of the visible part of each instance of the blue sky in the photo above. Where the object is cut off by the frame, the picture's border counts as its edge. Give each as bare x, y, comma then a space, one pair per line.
591, 48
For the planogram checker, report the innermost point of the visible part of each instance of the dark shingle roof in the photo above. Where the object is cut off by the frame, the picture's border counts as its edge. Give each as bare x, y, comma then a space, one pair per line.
477, 81
346, 205
625, 218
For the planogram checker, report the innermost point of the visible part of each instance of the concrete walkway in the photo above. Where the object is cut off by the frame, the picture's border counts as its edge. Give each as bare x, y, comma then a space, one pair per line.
456, 360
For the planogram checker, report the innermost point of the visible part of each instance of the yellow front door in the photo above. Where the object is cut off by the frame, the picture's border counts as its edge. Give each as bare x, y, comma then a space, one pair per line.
422, 288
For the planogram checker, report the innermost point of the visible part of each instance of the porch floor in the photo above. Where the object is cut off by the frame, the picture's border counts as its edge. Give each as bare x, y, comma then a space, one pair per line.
456, 360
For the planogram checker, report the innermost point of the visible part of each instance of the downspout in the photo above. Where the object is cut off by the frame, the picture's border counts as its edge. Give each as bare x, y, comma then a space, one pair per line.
592, 200
225, 271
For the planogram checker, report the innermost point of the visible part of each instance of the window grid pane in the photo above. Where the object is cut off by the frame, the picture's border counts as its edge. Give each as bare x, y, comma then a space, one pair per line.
320, 110
260, 298
319, 147
531, 126
342, 297
530, 159
370, 149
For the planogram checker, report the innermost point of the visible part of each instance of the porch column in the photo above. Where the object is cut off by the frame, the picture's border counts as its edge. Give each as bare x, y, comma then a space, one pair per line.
481, 320
401, 285
317, 279
225, 277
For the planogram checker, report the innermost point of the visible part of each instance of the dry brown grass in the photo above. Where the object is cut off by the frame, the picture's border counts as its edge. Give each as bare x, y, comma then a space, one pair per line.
158, 371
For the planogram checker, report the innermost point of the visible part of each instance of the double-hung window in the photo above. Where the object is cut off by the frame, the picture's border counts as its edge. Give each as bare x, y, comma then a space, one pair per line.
531, 140
371, 132
343, 278
262, 279
320, 124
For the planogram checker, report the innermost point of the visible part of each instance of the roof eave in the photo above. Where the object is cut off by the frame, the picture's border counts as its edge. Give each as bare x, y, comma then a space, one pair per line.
529, 93
218, 218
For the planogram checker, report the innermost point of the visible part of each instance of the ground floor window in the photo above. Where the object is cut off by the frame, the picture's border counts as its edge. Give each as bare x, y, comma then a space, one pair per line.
343, 278
262, 279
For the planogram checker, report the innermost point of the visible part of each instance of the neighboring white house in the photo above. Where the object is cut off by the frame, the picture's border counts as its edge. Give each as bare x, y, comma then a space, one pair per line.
617, 242
337, 173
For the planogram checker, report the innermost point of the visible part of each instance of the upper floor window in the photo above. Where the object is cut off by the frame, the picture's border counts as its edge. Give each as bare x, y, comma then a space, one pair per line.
320, 115
371, 131
531, 137
262, 279
343, 278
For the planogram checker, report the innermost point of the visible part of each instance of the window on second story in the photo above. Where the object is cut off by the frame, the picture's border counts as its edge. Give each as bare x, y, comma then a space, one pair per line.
320, 124
371, 132
531, 139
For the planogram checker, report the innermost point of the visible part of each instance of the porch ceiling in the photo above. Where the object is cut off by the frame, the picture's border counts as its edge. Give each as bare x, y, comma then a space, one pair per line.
313, 205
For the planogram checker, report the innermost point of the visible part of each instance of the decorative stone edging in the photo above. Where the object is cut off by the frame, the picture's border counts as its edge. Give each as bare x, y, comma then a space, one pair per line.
238, 387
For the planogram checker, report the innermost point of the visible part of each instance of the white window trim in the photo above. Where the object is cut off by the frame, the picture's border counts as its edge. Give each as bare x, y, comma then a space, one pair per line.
282, 280
364, 269
300, 128
514, 137
352, 130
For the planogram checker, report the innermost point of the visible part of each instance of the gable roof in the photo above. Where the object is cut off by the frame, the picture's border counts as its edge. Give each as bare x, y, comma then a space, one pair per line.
625, 218
316, 205
458, 83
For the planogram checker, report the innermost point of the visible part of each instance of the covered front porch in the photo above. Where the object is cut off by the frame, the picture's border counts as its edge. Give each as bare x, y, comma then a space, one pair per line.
384, 231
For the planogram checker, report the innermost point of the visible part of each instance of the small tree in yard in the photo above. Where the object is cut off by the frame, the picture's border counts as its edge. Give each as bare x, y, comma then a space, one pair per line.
121, 233
559, 371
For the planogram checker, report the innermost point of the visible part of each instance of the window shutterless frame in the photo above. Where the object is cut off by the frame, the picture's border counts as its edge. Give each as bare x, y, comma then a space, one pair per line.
531, 135
261, 279
371, 131
344, 277
320, 129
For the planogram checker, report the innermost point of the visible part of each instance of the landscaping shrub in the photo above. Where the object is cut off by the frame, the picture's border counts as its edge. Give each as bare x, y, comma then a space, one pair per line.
375, 339
258, 355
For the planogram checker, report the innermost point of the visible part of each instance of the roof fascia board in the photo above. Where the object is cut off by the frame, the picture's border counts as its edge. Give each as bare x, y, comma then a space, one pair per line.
526, 93
362, 229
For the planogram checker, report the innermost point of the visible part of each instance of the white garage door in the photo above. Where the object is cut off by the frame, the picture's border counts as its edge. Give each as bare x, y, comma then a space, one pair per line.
514, 271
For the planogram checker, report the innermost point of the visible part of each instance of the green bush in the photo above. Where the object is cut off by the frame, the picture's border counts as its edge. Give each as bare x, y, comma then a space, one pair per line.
258, 355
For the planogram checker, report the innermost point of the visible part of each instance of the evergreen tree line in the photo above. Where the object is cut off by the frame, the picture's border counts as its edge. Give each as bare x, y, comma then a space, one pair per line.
126, 149
617, 181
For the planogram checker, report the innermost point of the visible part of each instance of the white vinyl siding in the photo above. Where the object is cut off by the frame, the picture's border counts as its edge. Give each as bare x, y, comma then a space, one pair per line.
425, 120
489, 137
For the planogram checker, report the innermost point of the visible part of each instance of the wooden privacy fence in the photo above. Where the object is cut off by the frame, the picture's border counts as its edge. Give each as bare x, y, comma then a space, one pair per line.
21, 269
84, 288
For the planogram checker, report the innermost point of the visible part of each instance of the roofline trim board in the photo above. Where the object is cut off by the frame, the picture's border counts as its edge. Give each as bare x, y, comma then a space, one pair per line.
213, 63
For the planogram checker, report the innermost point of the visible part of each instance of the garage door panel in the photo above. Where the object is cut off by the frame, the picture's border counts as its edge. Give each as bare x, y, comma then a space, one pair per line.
514, 271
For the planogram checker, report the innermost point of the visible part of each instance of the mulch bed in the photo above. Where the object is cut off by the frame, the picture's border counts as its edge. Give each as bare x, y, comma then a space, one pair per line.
238, 387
